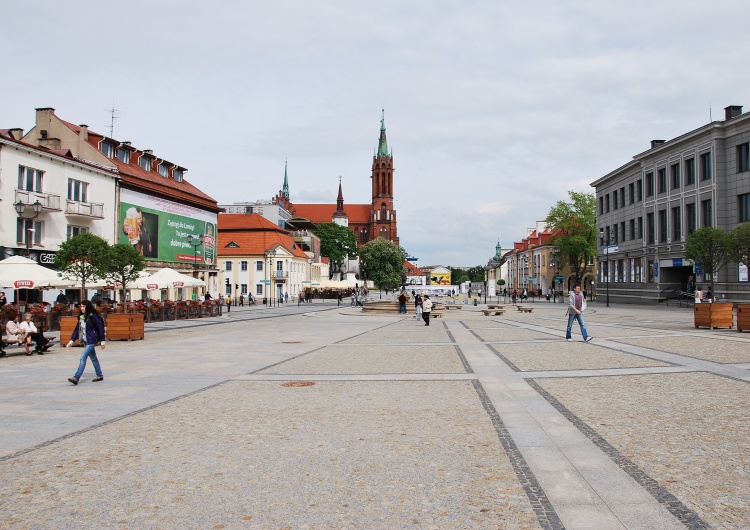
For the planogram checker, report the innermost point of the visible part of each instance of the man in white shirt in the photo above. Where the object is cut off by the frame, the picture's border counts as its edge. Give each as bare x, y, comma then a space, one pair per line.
28, 327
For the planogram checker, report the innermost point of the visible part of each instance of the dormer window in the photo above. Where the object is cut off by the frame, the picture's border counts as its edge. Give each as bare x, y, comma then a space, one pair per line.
108, 150
123, 155
164, 169
178, 174
145, 163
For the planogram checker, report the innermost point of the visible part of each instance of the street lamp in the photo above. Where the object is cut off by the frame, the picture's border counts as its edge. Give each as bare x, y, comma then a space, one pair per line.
270, 254
606, 254
20, 210
195, 242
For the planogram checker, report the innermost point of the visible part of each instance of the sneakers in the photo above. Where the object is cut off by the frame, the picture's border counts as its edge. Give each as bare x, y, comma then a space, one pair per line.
569, 340
588, 339
73, 380
97, 379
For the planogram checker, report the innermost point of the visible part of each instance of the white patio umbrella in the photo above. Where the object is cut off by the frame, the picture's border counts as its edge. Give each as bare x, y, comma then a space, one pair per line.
17, 272
105, 284
167, 278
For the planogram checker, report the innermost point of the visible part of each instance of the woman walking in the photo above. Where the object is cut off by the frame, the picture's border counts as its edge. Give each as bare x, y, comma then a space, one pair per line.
89, 331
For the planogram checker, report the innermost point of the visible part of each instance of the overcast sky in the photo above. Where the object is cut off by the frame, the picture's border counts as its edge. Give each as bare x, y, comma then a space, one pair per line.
494, 110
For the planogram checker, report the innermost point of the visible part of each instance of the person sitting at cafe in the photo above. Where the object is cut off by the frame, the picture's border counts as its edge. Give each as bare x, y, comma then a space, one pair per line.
32, 334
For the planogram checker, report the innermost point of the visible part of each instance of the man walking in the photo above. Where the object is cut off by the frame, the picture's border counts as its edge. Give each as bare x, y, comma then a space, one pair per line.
576, 307
426, 308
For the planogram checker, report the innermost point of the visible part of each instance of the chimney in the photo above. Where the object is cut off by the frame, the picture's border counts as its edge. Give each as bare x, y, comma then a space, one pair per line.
732, 111
44, 125
16, 133
84, 134
149, 152
656, 143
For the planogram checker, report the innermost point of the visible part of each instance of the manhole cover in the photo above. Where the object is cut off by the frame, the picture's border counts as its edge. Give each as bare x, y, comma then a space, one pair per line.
299, 383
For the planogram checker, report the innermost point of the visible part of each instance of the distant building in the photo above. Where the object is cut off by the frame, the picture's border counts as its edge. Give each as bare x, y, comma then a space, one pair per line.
647, 208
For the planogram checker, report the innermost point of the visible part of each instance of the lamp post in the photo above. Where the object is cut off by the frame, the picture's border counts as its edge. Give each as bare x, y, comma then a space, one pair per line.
270, 255
195, 242
606, 254
20, 210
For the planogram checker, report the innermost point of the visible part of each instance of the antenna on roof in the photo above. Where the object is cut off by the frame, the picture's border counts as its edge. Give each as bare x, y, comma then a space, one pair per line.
113, 115
710, 117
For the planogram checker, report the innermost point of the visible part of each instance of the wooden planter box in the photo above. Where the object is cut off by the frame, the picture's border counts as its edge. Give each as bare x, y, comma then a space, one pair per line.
715, 315
156, 315
194, 311
182, 311
125, 326
67, 326
743, 317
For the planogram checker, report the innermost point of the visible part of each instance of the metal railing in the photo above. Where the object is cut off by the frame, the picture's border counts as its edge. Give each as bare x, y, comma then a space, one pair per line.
50, 201
88, 209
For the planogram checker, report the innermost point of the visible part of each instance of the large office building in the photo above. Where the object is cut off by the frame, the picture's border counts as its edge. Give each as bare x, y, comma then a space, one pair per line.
647, 208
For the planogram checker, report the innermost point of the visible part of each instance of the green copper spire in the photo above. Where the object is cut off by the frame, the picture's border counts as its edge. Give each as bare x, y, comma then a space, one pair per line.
285, 190
382, 143
498, 250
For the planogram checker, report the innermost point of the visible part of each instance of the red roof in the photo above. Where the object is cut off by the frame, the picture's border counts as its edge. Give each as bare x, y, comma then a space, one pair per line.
134, 174
411, 270
323, 213
252, 235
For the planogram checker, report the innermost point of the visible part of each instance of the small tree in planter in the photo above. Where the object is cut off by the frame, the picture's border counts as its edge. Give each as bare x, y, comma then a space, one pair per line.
741, 244
122, 265
81, 259
710, 247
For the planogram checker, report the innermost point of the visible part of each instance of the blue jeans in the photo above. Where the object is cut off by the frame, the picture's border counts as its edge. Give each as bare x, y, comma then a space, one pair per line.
88, 351
579, 317
402, 308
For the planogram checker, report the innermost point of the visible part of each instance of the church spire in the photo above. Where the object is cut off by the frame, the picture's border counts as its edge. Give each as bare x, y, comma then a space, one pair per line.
382, 143
340, 214
285, 189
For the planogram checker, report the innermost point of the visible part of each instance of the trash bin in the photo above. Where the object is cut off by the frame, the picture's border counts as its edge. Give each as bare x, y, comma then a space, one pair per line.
264, 301
475, 301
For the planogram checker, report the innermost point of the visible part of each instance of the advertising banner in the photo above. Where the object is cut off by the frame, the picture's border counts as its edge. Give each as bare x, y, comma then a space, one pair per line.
159, 229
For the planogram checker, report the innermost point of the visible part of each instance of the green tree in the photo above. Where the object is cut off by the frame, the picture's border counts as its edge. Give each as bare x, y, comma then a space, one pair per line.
336, 243
81, 259
458, 276
122, 265
383, 263
476, 274
741, 244
710, 247
574, 224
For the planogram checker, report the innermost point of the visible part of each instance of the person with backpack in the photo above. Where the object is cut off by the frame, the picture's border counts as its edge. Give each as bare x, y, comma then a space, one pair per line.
89, 331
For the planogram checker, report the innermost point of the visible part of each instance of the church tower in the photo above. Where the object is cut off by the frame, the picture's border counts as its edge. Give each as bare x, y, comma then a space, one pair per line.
339, 216
383, 216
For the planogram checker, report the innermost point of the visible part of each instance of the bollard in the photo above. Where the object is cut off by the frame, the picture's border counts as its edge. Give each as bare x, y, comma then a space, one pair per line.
475, 302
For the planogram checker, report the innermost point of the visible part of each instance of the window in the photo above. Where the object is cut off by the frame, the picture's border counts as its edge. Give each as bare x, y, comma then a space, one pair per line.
639, 190
164, 169
622, 231
705, 166
707, 213
614, 234
606, 203
29, 179
243, 266
24, 229
601, 205
178, 174
123, 155
145, 163
649, 184
632, 229
279, 266
650, 227
77, 190
662, 226
744, 207
622, 196
650, 271
243, 288
227, 265
689, 171
743, 158
637, 264
691, 218
676, 223
259, 265
675, 170
108, 150
662, 177
631, 191
640, 228
76, 230
259, 289
614, 200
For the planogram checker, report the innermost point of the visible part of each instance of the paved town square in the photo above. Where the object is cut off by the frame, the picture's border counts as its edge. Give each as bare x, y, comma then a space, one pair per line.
317, 416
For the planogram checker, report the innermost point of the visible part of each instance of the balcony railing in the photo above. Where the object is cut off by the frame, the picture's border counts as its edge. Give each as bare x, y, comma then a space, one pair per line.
49, 201
281, 275
85, 209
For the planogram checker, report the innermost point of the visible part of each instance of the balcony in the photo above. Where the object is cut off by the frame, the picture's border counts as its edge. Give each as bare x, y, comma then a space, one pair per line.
280, 275
94, 210
49, 201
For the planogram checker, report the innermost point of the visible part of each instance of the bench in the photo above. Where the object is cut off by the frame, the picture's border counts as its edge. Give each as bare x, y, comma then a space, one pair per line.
524, 309
495, 306
12, 340
453, 306
492, 312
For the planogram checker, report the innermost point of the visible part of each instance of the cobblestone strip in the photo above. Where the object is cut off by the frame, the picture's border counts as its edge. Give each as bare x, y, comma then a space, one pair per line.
108, 422
503, 358
464, 361
545, 513
684, 514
